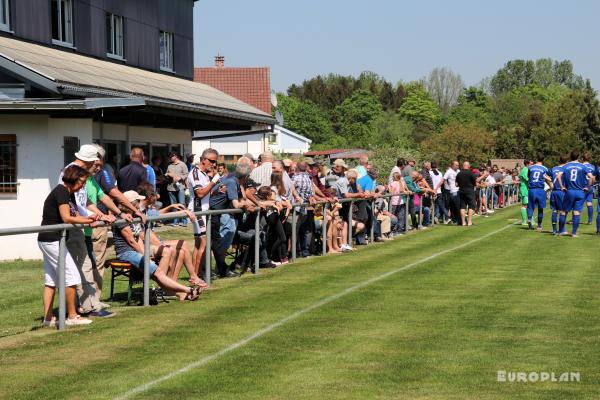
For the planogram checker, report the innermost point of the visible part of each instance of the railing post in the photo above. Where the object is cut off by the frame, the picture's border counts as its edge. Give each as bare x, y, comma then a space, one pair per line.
350, 225
373, 222
420, 224
257, 241
324, 229
406, 212
147, 234
294, 234
62, 285
207, 250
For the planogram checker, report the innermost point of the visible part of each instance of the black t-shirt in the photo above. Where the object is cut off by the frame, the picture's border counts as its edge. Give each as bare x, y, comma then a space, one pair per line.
465, 180
131, 175
51, 215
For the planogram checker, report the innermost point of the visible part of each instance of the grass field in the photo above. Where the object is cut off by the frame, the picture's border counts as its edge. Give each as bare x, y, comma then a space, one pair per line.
433, 321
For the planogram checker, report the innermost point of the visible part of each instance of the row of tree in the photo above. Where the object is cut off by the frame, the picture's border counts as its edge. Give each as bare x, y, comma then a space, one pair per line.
525, 108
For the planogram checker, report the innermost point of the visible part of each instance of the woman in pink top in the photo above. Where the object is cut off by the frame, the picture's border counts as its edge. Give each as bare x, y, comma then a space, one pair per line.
398, 187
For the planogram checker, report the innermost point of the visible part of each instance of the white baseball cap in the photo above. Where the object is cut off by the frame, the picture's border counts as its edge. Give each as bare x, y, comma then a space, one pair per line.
88, 153
132, 195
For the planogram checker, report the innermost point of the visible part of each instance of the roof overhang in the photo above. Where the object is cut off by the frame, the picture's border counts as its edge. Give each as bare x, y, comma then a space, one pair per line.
67, 75
74, 104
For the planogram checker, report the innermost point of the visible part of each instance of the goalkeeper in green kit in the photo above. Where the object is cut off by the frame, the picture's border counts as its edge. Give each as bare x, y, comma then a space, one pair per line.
524, 190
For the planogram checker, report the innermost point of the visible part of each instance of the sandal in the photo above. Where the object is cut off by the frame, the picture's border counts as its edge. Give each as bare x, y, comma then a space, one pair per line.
193, 294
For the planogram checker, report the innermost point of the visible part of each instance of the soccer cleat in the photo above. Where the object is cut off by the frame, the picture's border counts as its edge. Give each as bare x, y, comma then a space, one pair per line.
530, 225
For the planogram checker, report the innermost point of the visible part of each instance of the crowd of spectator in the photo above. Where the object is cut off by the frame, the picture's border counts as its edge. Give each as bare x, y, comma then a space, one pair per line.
283, 194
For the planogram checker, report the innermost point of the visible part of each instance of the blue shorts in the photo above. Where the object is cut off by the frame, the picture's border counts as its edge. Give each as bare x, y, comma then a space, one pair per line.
556, 200
589, 196
537, 198
137, 260
574, 200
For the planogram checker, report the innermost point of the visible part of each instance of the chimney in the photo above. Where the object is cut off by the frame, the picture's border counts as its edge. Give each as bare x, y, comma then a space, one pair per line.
219, 61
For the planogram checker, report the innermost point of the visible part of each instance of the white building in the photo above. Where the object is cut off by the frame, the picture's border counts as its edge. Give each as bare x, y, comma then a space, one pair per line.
233, 144
65, 99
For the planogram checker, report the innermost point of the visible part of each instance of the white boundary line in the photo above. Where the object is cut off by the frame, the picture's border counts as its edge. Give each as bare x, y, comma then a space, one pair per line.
275, 325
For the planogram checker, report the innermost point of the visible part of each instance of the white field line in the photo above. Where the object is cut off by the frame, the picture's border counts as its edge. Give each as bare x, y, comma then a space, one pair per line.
196, 364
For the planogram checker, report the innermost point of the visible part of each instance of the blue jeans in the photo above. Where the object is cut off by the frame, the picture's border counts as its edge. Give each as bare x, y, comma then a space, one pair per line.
227, 228
178, 197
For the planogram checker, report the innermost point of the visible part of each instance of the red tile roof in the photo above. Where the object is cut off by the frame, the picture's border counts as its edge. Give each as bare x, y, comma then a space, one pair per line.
250, 85
324, 152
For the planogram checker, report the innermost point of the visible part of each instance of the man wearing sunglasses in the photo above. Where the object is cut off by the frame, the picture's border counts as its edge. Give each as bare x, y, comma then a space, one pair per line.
201, 180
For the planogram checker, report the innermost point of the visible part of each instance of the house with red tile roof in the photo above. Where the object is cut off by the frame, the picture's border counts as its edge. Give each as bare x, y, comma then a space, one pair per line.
252, 85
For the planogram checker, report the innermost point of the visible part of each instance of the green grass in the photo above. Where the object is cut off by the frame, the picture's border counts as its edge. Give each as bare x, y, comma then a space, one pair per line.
517, 301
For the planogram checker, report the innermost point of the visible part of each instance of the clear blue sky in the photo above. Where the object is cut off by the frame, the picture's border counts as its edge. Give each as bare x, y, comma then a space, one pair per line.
400, 40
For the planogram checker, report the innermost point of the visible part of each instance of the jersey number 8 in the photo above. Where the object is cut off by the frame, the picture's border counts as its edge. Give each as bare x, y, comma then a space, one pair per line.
573, 175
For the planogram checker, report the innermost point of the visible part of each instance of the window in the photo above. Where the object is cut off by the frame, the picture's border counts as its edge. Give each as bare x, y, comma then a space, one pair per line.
166, 51
4, 15
114, 35
8, 164
62, 22
70, 147
272, 138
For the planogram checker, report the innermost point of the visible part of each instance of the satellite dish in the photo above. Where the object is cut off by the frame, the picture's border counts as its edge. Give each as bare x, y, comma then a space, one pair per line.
273, 99
279, 118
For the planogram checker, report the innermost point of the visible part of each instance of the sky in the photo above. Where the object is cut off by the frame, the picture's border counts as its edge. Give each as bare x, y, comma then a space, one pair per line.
400, 40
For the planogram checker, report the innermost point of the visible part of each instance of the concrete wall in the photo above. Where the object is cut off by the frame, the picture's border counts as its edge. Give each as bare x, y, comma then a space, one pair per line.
39, 161
234, 145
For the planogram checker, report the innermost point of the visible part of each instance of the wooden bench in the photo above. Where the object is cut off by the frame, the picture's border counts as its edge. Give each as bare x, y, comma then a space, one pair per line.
125, 269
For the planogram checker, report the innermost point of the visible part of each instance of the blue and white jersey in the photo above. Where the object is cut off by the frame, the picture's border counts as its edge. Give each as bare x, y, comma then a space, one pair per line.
554, 175
575, 176
591, 169
536, 176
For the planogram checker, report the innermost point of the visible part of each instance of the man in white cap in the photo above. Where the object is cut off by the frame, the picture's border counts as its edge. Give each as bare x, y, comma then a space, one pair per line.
80, 246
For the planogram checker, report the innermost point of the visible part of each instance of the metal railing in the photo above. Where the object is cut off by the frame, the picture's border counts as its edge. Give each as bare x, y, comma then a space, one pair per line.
64, 228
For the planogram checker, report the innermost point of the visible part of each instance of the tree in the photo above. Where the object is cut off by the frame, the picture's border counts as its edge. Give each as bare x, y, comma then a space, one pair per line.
305, 118
390, 130
355, 115
444, 87
590, 133
421, 110
455, 141
543, 72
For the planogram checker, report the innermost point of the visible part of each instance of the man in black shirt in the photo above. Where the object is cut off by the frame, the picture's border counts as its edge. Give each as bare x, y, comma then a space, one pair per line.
466, 181
134, 173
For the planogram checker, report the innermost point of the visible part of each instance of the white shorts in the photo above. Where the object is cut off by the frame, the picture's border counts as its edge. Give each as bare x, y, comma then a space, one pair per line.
50, 251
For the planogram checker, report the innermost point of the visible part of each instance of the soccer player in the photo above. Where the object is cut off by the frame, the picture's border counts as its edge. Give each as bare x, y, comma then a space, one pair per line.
523, 188
537, 176
576, 182
557, 195
589, 196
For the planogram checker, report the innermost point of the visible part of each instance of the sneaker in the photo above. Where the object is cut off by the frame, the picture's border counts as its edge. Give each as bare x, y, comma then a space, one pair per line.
539, 229
530, 225
490, 211
50, 324
79, 320
101, 314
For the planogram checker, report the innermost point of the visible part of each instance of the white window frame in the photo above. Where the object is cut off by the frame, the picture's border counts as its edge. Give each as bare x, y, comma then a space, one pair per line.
116, 48
5, 9
166, 51
68, 20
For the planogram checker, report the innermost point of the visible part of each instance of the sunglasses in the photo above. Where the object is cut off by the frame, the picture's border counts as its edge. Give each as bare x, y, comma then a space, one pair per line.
211, 161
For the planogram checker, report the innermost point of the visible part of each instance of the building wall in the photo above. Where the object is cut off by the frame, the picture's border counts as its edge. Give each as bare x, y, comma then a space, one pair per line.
39, 161
235, 145
144, 19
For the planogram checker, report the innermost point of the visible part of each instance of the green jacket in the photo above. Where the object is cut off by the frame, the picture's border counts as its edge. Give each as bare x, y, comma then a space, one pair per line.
411, 185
